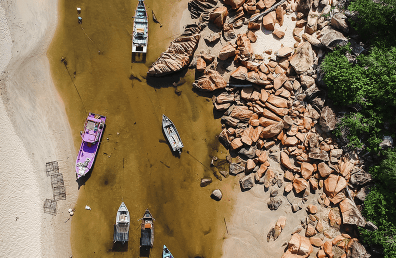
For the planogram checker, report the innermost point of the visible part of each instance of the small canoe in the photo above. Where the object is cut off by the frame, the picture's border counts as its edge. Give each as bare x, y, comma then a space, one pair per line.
172, 134
147, 230
93, 130
121, 228
166, 253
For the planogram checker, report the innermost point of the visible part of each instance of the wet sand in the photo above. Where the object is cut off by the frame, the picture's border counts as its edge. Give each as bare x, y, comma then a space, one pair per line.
135, 163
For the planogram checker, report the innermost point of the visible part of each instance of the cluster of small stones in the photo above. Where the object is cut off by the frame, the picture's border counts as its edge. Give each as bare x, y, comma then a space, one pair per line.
281, 108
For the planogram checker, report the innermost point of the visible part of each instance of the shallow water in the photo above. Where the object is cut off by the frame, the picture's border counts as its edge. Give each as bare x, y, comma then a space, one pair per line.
134, 163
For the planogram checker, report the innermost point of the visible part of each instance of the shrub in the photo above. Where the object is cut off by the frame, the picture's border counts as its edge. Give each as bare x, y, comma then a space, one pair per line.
380, 204
376, 20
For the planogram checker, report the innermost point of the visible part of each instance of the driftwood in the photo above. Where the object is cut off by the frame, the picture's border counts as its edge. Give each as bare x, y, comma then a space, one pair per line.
256, 17
155, 18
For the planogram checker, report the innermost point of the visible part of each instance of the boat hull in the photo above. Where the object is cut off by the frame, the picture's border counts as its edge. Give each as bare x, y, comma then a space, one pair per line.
172, 134
166, 253
140, 29
90, 144
121, 228
147, 230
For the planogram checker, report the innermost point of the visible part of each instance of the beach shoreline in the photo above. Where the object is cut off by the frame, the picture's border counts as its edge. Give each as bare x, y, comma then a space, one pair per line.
35, 131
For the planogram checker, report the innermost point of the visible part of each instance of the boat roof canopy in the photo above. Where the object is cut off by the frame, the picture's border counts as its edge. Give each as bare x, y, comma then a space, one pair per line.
94, 120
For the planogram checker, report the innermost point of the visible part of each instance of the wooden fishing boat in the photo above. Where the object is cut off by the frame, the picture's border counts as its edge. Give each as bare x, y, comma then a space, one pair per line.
166, 253
140, 29
147, 230
121, 228
93, 130
172, 134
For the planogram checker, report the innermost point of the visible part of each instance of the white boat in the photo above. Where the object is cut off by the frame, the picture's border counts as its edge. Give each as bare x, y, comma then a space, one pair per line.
121, 228
140, 29
166, 253
172, 134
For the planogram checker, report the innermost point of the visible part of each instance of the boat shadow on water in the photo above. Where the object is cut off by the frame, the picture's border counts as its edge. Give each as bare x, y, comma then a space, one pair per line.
82, 180
144, 251
138, 58
120, 247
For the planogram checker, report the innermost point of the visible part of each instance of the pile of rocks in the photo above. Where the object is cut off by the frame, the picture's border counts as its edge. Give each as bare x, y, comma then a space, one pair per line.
282, 107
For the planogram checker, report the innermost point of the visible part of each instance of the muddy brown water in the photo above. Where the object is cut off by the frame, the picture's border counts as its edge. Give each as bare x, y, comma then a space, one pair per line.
134, 163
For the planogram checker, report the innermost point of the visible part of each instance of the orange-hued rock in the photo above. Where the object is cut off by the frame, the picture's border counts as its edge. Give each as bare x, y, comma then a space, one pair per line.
278, 111
306, 170
279, 81
290, 141
313, 183
264, 122
279, 14
321, 254
289, 176
251, 36
319, 227
261, 170
256, 133
236, 143
201, 64
327, 248
244, 45
310, 231
285, 161
307, 123
288, 187
228, 51
300, 184
269, 3
272, 131
269, 175
332, 218
235, 4
298, 245
269, 21
218, 16
334, 184
277, 101
242, 113
312, 209
250, 165
337, 240
351, 214
264, 95
324, 170
268, 114
279, 33
316, 241
263, 157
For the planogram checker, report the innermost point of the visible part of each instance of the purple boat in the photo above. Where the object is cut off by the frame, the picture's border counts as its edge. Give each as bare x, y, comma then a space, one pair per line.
93, 130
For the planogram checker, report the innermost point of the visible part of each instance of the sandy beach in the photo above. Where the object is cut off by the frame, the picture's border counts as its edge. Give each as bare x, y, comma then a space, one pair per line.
34, 130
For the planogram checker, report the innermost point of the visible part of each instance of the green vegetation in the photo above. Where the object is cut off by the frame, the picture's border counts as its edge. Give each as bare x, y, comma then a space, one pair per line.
377, 21
380, 206
368, 86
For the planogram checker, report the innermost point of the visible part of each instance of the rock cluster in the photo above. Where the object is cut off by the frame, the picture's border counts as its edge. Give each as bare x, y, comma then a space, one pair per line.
179, 53
281, 104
